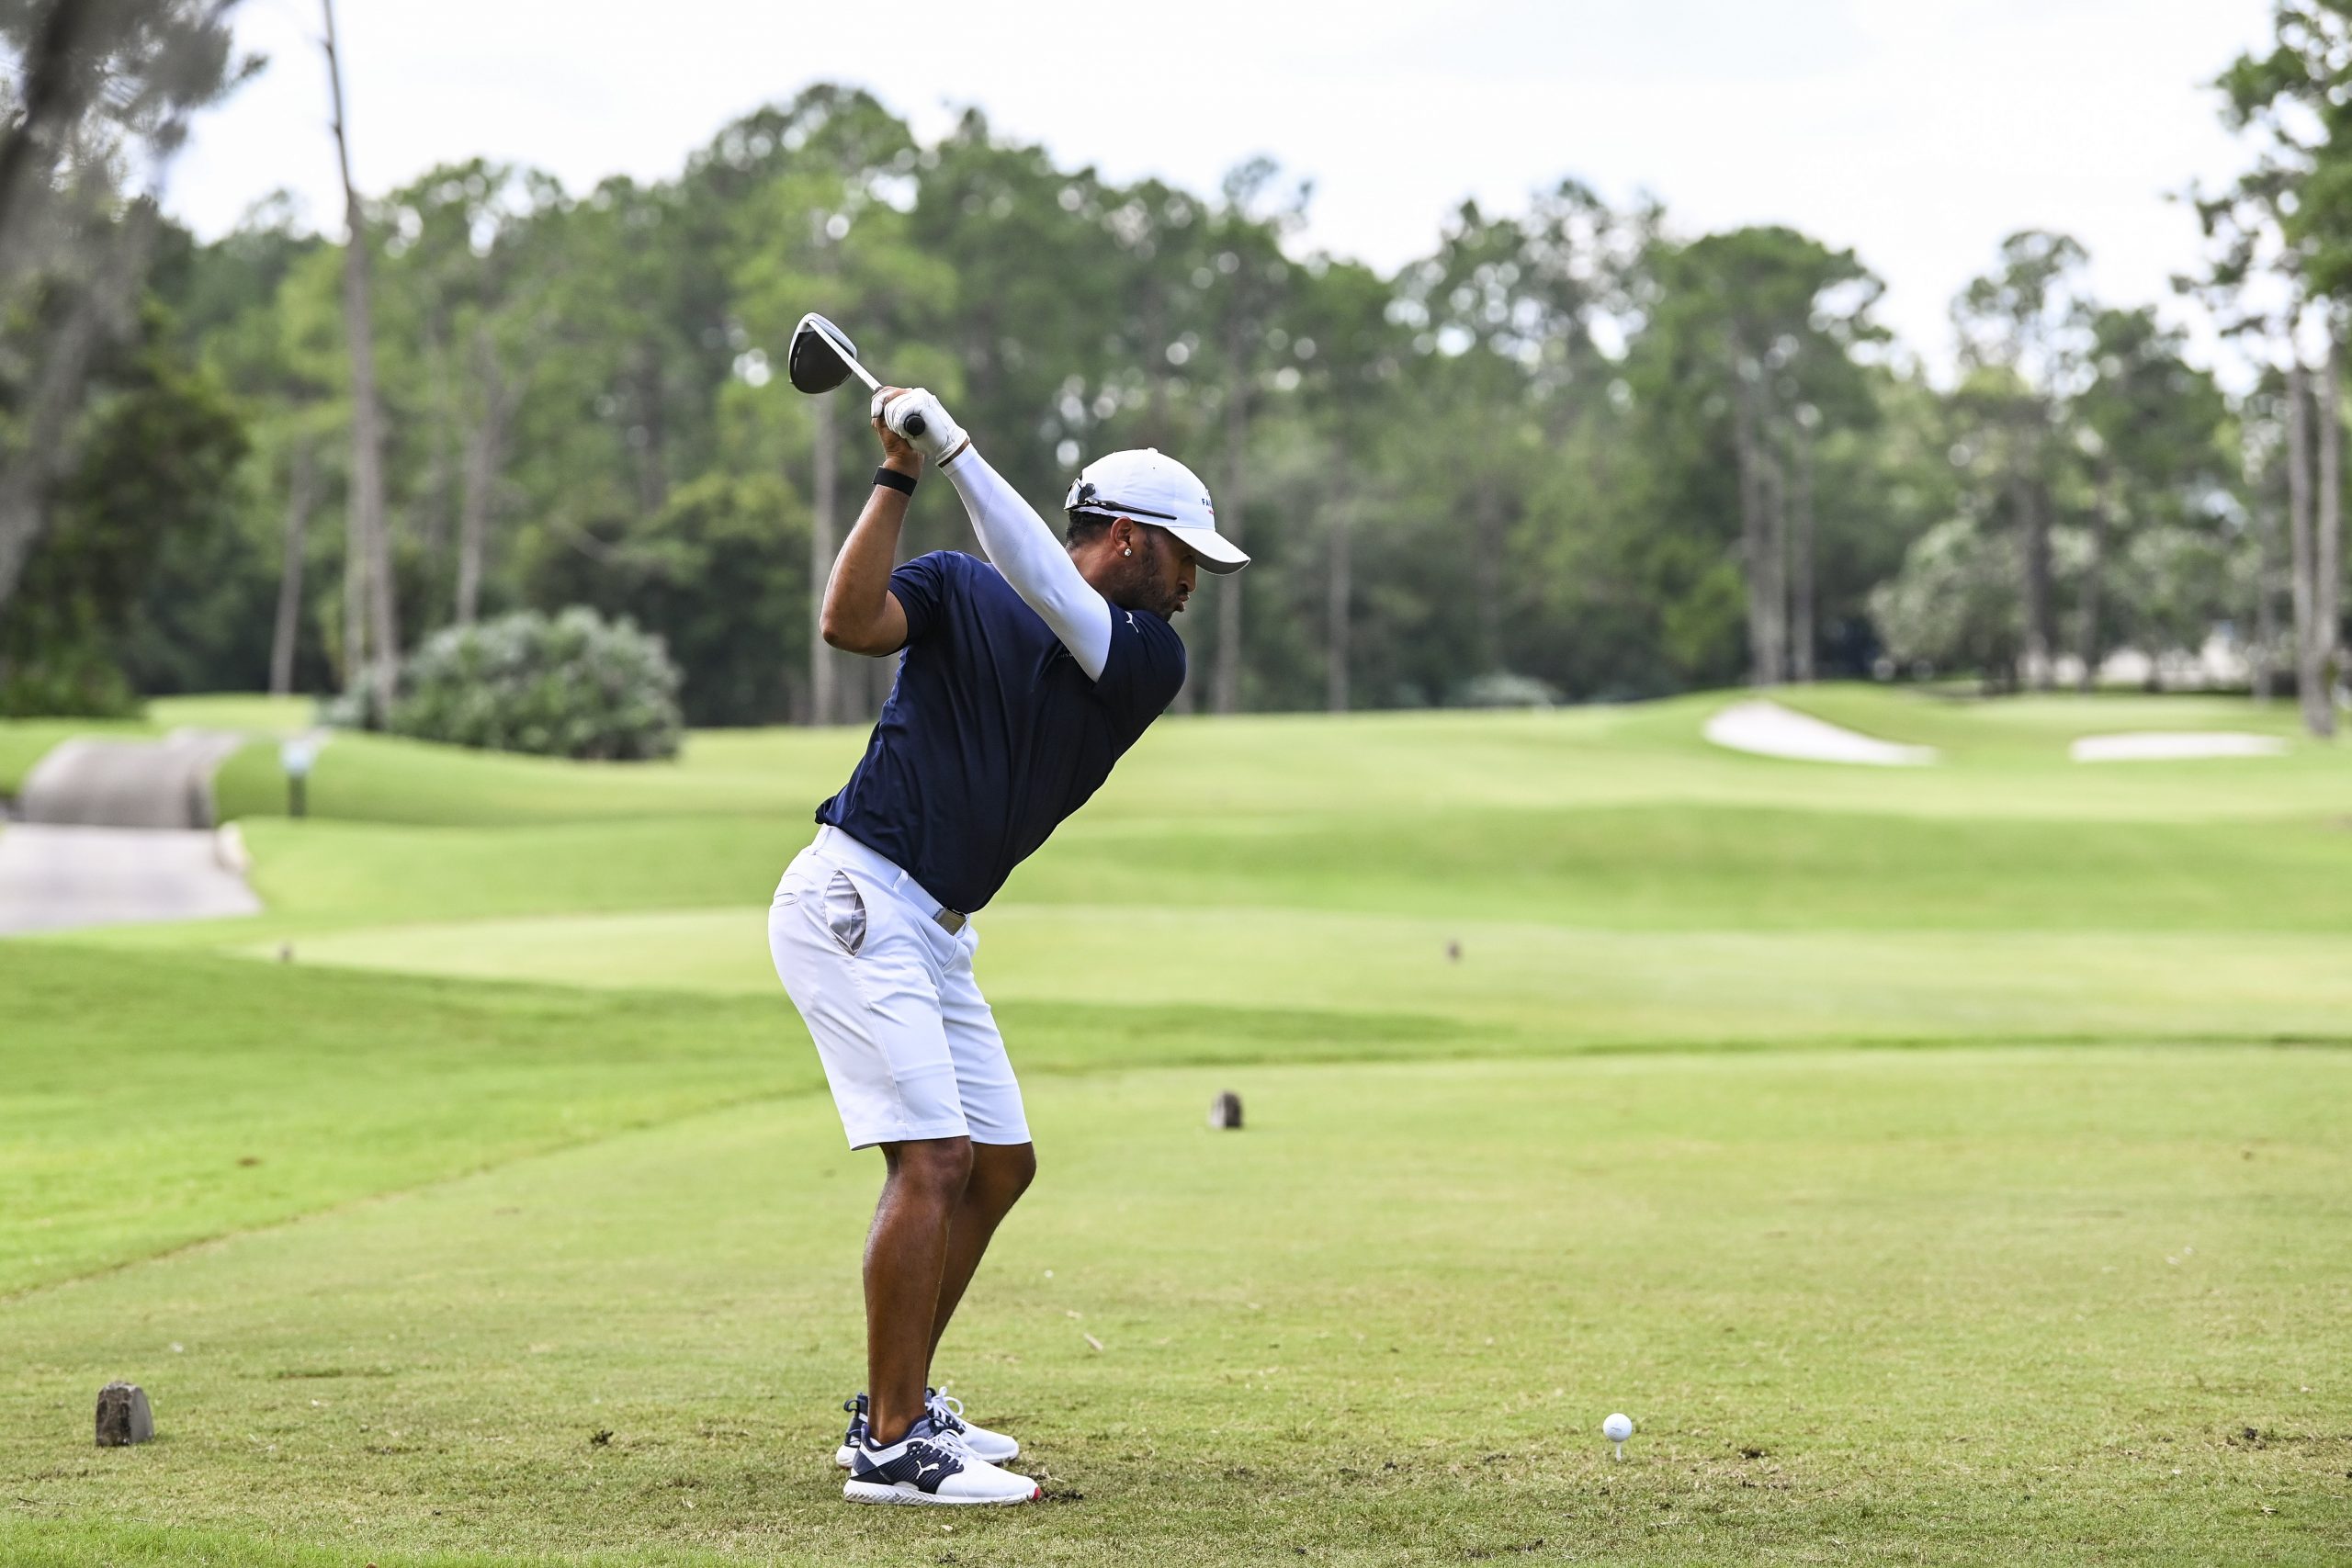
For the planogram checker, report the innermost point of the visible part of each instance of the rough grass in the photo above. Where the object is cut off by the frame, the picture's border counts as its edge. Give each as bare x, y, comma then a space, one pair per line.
538, 1157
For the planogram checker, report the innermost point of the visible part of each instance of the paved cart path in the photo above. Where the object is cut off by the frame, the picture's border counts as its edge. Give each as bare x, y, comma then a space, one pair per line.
53, 878
120, 830
130, 783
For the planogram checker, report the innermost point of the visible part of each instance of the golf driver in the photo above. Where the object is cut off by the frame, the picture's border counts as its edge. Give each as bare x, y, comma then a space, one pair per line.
822, 357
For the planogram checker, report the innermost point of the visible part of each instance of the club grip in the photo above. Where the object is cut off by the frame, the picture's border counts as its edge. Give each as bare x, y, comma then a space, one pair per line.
914, 425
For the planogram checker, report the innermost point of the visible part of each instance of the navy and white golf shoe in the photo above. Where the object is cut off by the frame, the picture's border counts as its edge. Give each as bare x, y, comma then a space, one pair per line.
929, 1467
946, 1414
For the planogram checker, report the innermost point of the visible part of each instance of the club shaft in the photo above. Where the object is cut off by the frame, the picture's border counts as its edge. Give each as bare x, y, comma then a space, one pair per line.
914, 425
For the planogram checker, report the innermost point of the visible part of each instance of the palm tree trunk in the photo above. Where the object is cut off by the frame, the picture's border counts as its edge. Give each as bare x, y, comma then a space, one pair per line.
371, 534
2328, 543
1339, 590
1763, 661
1776, 560
2309, 685
2094, 578
439, 469
1224, 695
484, 450
2264, 522
1802, 565
2033, 527
355, 665
1487, 569
289, 631
2265, 598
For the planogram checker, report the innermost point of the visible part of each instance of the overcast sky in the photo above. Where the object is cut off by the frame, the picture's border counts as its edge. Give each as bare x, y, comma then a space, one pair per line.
1917, 131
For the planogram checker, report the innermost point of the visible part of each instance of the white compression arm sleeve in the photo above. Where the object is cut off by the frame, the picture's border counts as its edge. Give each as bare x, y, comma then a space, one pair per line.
1025, 549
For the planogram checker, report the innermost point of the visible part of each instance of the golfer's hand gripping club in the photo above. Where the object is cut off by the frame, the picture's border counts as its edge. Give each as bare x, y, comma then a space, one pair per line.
915, 415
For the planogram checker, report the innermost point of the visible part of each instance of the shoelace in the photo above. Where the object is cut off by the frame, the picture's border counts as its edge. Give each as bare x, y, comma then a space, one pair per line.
953, 1443
946, 1410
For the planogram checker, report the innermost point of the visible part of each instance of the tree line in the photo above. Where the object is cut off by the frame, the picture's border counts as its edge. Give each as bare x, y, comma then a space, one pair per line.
1570, 452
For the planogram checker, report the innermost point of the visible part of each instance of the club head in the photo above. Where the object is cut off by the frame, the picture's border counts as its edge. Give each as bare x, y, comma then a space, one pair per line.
820, 355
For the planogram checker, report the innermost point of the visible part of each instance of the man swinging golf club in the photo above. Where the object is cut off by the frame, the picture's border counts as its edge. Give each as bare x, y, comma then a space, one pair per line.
1027, 676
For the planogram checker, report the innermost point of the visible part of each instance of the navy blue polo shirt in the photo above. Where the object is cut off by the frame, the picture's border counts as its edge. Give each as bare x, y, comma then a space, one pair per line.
992, 733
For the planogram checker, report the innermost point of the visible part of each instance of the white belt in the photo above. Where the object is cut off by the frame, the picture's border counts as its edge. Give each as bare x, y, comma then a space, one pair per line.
836, 845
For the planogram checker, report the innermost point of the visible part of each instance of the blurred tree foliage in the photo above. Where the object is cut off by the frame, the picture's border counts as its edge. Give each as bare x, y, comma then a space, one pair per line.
142, 560
1568, 451
94, 97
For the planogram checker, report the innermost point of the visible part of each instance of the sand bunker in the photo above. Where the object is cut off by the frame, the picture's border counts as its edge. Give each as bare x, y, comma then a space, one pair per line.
2165, 745
1768, 729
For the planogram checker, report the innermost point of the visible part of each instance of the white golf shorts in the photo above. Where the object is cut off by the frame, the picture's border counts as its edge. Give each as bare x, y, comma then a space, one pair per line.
908, 1042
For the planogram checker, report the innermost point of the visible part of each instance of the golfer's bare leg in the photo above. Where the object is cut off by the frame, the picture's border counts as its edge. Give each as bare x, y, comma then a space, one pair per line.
906, 1254
1001, 1174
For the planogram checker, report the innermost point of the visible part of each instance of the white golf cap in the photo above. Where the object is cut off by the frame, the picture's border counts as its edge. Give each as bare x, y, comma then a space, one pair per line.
1152, 487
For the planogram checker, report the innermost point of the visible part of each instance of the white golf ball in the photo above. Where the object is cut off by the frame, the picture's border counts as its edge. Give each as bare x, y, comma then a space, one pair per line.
1618, 1427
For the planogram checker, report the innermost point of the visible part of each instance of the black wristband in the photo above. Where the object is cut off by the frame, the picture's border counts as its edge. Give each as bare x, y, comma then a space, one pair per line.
891, 479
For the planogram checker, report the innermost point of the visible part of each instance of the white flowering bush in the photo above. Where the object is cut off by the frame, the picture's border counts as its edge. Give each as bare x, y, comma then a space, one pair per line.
1504, 689
572, 684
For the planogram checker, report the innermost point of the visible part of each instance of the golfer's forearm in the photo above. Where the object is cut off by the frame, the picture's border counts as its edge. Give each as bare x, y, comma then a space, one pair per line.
1023, 547
860, 613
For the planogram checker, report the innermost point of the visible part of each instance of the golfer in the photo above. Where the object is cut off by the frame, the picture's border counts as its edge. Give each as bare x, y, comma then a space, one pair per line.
1025, 676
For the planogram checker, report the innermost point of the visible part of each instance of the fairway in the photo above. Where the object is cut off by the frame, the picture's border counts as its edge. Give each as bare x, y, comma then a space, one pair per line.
2018, 1296
1939, 1166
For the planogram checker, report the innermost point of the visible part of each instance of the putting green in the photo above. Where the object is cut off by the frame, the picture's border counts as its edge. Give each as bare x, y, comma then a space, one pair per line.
1926, 1306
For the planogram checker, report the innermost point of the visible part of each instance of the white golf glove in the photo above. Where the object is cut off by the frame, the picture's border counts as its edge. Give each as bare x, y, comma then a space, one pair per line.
941, 438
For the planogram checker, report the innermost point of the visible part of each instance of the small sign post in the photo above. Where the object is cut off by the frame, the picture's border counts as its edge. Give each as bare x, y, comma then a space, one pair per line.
296, 757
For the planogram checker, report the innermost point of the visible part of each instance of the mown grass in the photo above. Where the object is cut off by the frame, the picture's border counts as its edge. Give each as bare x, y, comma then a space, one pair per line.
1951, 1307
157, 1102
25, 742
540, 1155
210, 1095
1285, 768
1641, 868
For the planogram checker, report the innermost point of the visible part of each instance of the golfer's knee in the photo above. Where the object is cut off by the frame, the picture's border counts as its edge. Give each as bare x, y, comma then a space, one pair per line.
939, 1169
1003, 1172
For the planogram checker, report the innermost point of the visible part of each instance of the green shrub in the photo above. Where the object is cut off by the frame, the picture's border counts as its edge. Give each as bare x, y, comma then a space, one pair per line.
1506, 689
570, 685
77, 678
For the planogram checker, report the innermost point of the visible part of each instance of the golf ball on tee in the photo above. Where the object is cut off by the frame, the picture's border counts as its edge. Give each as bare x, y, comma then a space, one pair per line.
1618, 1427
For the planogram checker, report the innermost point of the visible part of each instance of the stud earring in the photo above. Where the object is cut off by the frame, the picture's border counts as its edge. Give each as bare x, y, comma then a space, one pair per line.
1128, 551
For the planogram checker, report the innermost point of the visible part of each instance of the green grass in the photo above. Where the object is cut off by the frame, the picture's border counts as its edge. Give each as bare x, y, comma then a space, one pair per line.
1523, 987
1662, 869
1399, 765
208, 1098
1940, 1165
23, 742
235, 710
380, 778
1957, 1306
